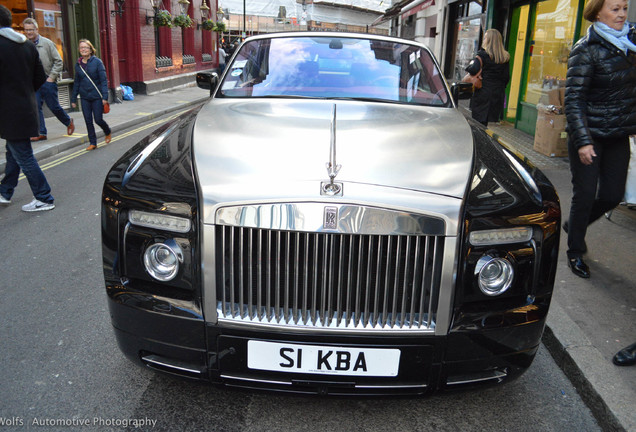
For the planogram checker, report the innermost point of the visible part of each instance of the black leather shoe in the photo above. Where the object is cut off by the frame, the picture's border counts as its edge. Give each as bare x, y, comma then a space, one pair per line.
626, 356
565, 228
579, 267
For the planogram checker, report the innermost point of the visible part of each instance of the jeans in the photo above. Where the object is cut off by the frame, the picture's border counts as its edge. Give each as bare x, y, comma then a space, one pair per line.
48, 93
597, 188
94, 109
20, 156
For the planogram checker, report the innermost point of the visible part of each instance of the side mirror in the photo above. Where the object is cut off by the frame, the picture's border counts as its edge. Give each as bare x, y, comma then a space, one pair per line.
207, 81
461, 90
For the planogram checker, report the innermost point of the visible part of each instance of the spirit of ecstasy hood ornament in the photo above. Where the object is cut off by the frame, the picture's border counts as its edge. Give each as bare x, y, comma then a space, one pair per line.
332, 188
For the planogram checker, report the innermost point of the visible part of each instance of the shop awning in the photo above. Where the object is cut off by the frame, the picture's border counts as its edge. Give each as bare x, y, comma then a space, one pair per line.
391, 12
404, 7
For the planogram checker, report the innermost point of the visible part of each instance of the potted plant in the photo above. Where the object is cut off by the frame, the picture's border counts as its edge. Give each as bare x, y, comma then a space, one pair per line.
163, 19
220, 27
208, 24
183, 21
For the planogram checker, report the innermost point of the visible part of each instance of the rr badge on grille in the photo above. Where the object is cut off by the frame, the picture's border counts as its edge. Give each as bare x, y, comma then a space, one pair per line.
331, 218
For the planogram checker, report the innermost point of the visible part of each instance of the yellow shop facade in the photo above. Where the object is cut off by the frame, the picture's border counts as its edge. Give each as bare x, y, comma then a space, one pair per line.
540, 38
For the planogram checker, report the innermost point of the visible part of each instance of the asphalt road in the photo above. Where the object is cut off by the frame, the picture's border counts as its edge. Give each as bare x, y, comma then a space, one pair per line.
61, 368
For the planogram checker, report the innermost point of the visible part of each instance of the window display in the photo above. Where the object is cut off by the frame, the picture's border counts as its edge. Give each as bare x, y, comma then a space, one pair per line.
554, 27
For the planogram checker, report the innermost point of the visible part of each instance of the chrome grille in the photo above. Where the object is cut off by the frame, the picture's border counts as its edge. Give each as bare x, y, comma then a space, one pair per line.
330, 281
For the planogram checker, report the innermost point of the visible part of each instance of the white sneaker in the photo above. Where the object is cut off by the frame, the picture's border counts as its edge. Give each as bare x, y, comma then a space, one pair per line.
37, 205
3, 200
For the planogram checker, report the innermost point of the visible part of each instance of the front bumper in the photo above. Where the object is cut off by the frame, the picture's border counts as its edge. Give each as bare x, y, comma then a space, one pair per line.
188, 347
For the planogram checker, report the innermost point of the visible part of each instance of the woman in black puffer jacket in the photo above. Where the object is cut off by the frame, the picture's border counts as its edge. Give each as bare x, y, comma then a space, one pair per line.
600, 107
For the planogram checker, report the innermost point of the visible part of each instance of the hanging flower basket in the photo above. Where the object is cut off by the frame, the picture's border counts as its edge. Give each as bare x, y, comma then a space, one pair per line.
183, 21
220, 27
208, 25
163, 19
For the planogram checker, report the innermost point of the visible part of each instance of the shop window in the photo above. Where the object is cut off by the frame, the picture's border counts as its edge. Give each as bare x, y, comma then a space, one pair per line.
19, 12
469, 28
474, 8
552, 39
469, 9
48, 14
468, 36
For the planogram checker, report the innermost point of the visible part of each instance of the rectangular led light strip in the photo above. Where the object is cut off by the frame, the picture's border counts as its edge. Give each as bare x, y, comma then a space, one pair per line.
500, 236
159, 221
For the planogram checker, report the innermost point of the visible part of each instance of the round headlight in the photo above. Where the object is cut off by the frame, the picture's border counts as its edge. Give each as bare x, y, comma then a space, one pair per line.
162, 260
494, 275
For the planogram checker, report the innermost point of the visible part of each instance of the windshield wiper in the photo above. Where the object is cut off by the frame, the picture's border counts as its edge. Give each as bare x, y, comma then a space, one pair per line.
363, 99
290, 96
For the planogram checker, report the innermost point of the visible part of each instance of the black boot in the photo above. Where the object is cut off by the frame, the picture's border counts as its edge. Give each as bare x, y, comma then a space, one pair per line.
578, 267
626, 356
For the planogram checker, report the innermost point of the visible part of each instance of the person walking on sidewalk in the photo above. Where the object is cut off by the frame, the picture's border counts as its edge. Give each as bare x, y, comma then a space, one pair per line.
487, 103
600, 108
91, 85
52, 64
21, 74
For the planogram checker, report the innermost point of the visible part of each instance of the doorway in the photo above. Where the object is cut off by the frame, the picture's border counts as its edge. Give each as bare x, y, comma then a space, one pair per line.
517, 50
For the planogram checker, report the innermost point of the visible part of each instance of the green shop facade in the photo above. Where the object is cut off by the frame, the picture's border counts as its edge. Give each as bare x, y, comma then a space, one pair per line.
539, 37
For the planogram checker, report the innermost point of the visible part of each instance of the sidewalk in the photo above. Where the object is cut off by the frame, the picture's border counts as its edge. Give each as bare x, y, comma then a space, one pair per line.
589, 319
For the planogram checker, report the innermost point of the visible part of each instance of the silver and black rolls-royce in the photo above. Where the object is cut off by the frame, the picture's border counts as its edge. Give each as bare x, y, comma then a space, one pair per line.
329, 222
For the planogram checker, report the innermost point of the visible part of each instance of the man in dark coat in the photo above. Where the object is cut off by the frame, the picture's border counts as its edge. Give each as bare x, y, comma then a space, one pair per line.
21, 74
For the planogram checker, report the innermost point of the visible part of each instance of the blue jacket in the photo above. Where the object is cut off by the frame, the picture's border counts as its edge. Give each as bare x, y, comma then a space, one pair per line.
83, 86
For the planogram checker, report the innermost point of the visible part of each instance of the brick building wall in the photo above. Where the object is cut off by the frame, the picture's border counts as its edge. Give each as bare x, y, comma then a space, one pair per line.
133, 48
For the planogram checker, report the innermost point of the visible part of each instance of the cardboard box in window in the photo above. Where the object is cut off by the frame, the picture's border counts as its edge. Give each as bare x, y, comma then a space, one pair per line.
550, 137
554, 96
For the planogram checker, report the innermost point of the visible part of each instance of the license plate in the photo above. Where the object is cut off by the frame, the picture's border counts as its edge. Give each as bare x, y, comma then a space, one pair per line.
328, 360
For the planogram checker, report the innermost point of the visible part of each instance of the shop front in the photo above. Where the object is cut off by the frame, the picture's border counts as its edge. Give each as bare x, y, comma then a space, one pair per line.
541, 37
59, 21
538, 36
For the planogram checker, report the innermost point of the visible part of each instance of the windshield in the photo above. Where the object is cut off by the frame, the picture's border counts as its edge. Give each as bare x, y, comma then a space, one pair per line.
335, 68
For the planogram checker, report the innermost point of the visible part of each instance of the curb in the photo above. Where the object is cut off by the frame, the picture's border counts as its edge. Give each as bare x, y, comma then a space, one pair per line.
602, 390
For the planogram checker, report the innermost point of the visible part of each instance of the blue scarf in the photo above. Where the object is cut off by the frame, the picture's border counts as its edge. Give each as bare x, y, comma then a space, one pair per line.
618, 38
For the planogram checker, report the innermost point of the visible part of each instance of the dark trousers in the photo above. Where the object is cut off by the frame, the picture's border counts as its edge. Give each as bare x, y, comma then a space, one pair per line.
20, 156
597, 188
94, 109
48, 94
